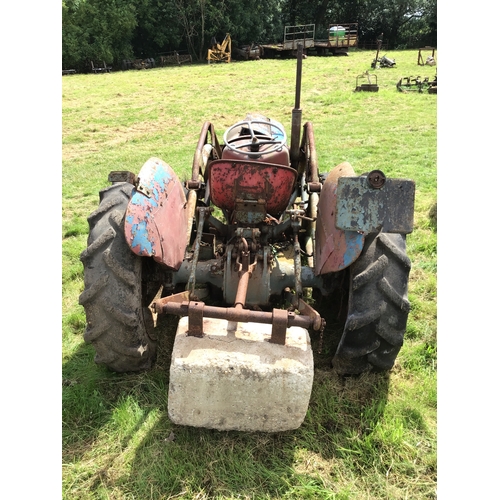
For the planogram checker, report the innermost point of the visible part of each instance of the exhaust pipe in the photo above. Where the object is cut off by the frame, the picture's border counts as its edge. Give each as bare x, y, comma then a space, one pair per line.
296, 114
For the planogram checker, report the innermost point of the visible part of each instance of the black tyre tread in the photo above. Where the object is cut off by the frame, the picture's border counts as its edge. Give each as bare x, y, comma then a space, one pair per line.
112, 296
378, 307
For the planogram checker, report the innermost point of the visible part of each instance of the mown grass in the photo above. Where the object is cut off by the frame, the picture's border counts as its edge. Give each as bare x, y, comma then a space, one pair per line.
369, 437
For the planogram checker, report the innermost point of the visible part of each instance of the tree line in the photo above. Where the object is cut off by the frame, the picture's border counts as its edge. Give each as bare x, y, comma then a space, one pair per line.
115, 30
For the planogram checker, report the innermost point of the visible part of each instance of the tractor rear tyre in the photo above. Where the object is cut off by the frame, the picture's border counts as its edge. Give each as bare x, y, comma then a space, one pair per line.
117, 319
378, 307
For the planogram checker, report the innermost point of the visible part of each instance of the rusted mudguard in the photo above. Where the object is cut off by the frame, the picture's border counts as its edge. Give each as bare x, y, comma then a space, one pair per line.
335, 249
156, 217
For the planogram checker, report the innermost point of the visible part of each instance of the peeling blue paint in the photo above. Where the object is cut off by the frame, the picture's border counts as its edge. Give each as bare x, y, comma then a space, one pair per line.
142, 200
162, 177
140, 238
363, 208
354, 244
155, 177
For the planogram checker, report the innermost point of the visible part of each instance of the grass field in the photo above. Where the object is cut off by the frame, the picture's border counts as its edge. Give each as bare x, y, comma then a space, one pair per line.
368, 437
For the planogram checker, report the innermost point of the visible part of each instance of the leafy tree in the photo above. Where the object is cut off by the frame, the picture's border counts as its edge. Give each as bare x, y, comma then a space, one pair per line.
96, 30
422, 29
71, 36
253, 21
158, 28
396, 19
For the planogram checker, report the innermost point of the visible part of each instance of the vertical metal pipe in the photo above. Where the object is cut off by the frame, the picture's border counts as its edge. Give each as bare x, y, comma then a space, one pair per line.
297, 266
197, 243
296, 114
298, 76
241, 293
311, 229
191, 207
244, 276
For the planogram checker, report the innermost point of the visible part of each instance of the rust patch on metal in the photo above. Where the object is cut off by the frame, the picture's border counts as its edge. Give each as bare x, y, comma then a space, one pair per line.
251, 180
388, 207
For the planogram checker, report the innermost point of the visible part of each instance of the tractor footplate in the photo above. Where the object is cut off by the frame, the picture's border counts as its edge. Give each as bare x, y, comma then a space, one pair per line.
235, 379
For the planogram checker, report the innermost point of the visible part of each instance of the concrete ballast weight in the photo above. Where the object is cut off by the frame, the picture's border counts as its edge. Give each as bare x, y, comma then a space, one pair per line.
235, 379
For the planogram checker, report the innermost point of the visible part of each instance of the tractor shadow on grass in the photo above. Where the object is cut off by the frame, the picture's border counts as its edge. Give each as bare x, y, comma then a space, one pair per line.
91, 394
174, 460
189, 462
122, 420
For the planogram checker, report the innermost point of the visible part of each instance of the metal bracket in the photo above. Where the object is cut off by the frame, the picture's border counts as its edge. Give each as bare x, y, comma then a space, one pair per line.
195, 318
310, 312
280, 324
152, 308
314, 187
143, 189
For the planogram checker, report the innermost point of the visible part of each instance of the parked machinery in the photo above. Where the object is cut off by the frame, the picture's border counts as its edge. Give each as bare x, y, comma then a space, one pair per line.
220, 52
417, 84
384, 61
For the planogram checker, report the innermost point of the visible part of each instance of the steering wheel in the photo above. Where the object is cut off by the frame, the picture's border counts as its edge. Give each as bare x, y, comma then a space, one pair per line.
258, 137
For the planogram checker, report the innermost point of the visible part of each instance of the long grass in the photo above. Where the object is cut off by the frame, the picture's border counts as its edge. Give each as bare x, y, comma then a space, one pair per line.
367, 437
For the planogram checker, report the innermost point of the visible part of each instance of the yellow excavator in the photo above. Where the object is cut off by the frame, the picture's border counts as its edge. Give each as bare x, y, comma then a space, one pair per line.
220, 52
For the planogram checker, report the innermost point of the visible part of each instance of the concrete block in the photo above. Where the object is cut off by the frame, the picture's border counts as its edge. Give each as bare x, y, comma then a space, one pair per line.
235, 379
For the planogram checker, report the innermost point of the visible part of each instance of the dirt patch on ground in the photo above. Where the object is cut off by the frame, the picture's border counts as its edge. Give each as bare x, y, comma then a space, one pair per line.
98, 137
125, 134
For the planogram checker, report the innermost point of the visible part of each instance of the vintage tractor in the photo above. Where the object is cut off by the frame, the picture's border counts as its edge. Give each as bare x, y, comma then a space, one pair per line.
253, 231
